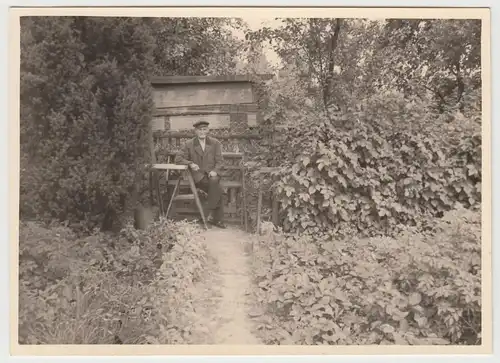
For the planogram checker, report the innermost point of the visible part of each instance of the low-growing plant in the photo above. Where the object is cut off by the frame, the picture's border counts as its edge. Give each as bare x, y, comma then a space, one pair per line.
107, 289
172, 291
416, 289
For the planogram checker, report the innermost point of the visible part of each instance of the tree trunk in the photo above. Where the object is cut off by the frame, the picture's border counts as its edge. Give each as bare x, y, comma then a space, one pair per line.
331, 47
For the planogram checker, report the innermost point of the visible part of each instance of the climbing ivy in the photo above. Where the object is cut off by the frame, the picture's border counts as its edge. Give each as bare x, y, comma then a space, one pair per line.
390, 161
375, 183
371, 130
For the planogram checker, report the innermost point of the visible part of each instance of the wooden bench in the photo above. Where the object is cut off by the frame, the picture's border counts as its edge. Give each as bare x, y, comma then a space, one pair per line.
226, 184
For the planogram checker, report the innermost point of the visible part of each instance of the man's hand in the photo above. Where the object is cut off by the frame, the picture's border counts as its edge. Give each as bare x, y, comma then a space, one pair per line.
212, 174
194, 166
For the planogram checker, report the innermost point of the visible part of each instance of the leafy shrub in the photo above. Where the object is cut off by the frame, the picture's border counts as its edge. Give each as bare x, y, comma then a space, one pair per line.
373, 179
386, 160
414, 289
172, 290
105, 289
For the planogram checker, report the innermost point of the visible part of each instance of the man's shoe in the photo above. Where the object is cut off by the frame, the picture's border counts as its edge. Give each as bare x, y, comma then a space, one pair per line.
200, 221
217, 224
202, 194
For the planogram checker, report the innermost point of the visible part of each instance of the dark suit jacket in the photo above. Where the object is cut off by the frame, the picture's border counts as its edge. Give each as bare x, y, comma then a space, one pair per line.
208, 160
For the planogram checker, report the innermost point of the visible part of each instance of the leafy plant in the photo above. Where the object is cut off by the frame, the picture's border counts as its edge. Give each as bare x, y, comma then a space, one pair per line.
413, 289
135, 289
374, 139
86, 106
364, 170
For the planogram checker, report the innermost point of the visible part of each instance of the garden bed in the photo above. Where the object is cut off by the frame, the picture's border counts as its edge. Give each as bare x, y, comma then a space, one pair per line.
416, 289
133, 288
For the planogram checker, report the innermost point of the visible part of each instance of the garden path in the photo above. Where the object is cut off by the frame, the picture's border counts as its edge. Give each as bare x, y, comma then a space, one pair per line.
222, 301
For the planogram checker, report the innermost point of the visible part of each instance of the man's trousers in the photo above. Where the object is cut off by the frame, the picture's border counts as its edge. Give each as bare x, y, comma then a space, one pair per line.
213, 188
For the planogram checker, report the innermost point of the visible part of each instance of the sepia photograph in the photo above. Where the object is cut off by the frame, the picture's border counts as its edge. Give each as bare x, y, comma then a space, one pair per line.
252, 180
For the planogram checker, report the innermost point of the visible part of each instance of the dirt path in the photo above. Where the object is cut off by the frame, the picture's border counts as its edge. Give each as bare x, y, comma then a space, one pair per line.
223, 297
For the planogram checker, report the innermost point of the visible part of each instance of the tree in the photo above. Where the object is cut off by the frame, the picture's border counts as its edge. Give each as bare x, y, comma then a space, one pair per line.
442, 57
346, 60
253, 60
391, 139
85, 110
195, 46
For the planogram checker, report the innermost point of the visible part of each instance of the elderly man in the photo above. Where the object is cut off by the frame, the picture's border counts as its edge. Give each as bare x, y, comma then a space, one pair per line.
203, 155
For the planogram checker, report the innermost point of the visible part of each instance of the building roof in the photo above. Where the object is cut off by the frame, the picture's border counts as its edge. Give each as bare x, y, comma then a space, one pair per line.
205, 79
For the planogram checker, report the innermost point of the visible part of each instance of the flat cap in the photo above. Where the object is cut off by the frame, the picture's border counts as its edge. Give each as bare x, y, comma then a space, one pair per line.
200, 123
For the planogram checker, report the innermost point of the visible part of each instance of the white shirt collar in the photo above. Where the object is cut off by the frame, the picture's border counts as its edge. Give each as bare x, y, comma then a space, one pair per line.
202, 143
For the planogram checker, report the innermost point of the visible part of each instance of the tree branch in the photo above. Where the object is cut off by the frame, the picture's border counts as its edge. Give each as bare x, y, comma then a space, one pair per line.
313, 29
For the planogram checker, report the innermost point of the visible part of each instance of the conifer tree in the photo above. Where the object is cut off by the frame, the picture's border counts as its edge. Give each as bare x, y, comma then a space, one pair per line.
85, 110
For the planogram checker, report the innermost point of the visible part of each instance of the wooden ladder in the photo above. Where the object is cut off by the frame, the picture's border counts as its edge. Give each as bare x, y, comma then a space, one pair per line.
231, 185
175, 194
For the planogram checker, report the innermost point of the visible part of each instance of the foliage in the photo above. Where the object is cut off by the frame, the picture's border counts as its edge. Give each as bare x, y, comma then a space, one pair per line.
253, 59
344, 60
195, 46
387, 155
368, 170
415, 289
172, 290
107, 290
85, 108
442, 57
